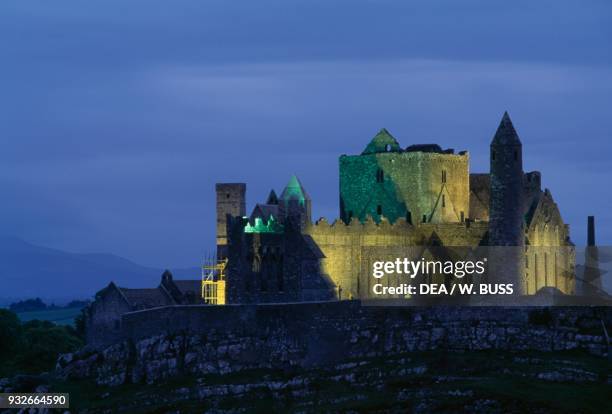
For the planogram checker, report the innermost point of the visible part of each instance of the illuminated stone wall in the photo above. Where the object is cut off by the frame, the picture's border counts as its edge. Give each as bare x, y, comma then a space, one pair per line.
550, 257
335, 257
346, 247
418, 186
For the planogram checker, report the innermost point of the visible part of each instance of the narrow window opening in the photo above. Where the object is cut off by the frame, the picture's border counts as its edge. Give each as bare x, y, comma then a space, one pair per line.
424, 218
379, 209
535, 270
443, 201
227, 195
546, 269
462, 216
515, 155
409, 217
380, 176
443, 176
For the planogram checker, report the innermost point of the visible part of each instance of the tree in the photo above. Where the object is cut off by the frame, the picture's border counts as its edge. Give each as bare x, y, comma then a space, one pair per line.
32, 347
78, 304
10, 333
43, 343
79, 323
28, 305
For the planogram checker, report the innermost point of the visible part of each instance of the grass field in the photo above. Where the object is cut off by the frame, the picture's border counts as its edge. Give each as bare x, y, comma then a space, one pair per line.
58, 316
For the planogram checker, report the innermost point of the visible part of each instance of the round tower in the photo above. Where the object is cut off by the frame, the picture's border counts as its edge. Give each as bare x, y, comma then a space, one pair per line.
506, 207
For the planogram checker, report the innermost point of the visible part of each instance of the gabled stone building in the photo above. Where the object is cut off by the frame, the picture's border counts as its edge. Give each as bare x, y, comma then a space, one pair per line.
103, 315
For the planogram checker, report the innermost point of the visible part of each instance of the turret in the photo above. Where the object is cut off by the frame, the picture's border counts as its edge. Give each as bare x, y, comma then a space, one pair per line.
506, 206
591, 280
295, 203
591, 231
272, 198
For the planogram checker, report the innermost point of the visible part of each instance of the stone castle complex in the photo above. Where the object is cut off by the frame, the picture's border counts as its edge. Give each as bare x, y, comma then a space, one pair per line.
420, 200
391, 198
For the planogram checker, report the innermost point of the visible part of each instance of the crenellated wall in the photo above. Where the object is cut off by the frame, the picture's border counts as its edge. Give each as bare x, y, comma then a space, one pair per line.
350, 249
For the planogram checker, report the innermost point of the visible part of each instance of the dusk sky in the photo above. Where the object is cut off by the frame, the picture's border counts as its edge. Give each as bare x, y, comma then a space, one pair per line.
118, 117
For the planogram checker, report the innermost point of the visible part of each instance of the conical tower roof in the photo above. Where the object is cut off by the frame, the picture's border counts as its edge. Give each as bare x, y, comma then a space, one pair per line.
506, 134
272, 198
294, 191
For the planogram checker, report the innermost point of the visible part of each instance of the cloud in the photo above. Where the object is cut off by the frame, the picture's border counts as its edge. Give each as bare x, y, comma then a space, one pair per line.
118, 118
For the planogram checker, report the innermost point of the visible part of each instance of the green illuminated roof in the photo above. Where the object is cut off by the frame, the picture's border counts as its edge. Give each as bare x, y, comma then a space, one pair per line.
382, 142
259, 226
294, 191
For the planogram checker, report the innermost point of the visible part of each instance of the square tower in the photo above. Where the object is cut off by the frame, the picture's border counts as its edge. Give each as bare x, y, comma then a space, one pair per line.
231, 200
422, 183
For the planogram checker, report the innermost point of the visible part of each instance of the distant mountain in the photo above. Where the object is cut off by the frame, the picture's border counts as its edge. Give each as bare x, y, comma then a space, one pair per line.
28, 271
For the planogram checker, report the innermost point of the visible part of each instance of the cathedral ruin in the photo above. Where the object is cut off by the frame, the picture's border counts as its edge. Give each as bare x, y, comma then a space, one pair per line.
391, 197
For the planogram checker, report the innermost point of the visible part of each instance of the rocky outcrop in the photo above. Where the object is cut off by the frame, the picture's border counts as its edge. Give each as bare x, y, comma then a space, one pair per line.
307, 336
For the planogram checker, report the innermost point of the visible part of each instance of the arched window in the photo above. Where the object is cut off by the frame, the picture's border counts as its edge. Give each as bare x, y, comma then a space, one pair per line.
380, 176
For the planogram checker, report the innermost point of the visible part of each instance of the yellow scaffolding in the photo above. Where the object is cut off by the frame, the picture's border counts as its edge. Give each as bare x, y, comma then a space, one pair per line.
213, 282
